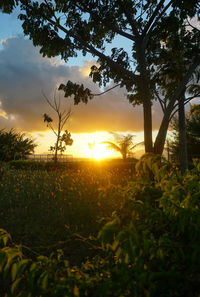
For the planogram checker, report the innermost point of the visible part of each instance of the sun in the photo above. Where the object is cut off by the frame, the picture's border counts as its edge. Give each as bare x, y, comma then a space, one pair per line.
100, 151
94, 148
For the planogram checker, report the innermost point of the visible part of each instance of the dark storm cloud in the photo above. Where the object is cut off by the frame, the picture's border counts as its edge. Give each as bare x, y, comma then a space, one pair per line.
24, 74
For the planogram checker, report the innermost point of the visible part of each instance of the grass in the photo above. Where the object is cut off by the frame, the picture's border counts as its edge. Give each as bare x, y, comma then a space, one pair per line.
45, 210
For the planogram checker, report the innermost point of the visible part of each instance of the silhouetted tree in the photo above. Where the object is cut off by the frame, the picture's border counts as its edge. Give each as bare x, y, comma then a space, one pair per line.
122, 144
62, 139
15, 146
192, 135
151, 27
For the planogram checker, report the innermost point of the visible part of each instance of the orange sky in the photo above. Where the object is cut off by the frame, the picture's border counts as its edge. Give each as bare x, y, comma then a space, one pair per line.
25, 75
80, 147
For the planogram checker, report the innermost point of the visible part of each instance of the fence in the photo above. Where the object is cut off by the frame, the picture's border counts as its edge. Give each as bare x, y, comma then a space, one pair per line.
49, 157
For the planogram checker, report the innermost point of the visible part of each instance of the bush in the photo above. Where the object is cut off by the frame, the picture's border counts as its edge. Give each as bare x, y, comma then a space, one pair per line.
151, 247
34, 165
14, 146
114, 165
155, 236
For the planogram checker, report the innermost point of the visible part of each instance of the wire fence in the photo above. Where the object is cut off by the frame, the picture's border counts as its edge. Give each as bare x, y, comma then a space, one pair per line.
49, 158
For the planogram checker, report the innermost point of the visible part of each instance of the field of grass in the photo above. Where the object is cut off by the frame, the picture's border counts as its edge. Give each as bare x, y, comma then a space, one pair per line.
47, 210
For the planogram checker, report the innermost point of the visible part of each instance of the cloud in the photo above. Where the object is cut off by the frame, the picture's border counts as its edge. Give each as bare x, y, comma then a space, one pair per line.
25, 74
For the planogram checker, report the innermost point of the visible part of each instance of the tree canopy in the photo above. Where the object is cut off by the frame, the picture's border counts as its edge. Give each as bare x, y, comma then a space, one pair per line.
122, 144
159, 33
14, 146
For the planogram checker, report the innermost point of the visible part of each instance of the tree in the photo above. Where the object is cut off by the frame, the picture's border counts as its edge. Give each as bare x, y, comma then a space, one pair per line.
8, 6
14, 146
191, 91
122, 144
183, 155
170, 76
64, 28
192, 134
62, 140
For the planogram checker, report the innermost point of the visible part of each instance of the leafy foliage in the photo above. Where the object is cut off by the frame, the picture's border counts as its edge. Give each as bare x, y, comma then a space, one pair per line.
78, 91
150, 246
161, 47
64, 140
8, 6
155, 235
192, 134
14, 146
122, 144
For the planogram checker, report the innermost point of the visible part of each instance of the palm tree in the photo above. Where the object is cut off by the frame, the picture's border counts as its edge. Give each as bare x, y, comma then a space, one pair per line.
122, 144
14, 145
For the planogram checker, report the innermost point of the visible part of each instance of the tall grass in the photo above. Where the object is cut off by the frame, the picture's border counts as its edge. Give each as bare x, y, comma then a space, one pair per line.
43, 210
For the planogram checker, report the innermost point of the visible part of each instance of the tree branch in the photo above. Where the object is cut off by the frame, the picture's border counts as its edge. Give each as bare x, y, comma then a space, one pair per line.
51, 127
182, 84
90, 48
153, 16
186, 102
65, 118
189, 24
162, 103
110, 26
148, 29
106, 90
48, 101
132, 22
96, 52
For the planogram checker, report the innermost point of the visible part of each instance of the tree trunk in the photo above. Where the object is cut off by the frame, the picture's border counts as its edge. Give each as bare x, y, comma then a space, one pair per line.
124, 156
162, 133
57, 141
147, 126
183, 158
144, 90
161, 136
56, 150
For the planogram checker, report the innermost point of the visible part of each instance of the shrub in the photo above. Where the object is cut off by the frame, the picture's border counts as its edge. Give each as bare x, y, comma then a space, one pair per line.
156, 234
151, 247
14, 146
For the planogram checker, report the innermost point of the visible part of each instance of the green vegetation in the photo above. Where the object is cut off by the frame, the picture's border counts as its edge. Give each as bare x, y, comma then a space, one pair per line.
14, 146
42, 204
148, 228
115, 230
192, 135
122, 144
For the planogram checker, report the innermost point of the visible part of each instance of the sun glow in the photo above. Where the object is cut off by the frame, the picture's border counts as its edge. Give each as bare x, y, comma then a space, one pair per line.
100, 151
86, 145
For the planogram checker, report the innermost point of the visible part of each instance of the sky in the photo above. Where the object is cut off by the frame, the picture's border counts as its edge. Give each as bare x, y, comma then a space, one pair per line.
25, 76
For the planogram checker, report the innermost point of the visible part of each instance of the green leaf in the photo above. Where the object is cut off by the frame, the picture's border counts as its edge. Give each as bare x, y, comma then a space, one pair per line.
15, 285
14, 271
43, 280
76, 291
3, 259
44, 283
18, 268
